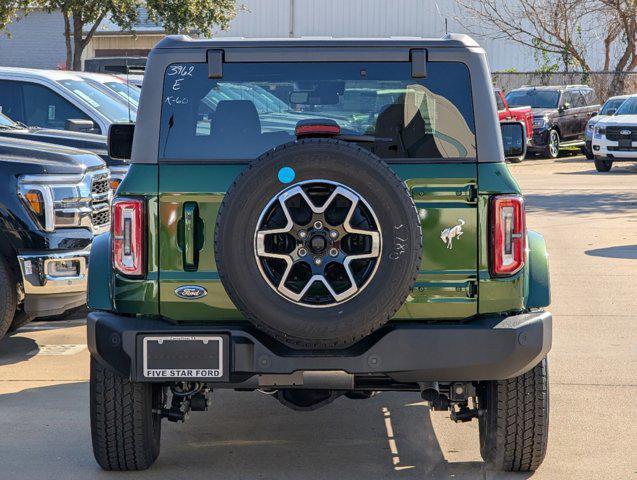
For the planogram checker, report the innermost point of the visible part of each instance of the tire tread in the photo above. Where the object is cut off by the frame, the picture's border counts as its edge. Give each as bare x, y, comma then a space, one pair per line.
119, 416
520, 408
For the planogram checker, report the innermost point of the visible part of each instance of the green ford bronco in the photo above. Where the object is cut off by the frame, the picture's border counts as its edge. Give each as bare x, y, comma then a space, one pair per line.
316, 218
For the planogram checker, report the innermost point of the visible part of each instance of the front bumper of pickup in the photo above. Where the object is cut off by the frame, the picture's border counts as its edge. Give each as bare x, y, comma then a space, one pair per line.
484, 349
53, 281
605, 149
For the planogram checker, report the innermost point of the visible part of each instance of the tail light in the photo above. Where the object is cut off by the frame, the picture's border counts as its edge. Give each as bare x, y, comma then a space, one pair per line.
127, 236
508, 235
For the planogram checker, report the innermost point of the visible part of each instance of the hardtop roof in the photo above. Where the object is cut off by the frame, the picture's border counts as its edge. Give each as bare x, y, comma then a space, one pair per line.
449, 40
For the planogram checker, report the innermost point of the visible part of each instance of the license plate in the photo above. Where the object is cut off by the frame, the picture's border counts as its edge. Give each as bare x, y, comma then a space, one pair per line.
625, 143
196, 357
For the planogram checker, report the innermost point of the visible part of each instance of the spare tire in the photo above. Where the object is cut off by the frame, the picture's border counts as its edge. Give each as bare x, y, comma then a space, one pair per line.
318, 243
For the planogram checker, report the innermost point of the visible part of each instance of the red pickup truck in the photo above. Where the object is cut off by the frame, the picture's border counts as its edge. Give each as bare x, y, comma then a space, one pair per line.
520, 114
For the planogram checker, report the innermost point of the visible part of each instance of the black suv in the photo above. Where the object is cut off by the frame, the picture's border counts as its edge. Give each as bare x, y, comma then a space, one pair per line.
560, 114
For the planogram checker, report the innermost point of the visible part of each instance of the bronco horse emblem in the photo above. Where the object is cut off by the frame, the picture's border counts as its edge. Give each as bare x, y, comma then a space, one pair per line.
448, 234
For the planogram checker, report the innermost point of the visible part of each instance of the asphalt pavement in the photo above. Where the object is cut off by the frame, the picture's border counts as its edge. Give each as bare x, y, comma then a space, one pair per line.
590, 223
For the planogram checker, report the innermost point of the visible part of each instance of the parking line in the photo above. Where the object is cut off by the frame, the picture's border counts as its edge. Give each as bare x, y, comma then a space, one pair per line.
57, 349
391, 439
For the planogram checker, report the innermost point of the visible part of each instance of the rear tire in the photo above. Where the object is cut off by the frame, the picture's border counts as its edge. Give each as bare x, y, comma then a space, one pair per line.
514, 426
8, 298
125, 431
19, 319
603, 165
552, 149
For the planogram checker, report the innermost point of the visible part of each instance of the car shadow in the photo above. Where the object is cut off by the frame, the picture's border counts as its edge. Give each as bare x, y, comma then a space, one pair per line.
14, 349
242, 436
622, 251
581, 203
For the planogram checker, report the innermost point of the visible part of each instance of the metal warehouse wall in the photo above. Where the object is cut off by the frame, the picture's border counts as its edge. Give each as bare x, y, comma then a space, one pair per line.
367, 18
37, 41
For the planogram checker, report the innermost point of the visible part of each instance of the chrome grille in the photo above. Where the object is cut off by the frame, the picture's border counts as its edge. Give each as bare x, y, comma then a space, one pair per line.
99, 186
102, 217
100, 201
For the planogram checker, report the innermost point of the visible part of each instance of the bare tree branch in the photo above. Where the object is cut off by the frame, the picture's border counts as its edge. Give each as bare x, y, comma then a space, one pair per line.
564, 28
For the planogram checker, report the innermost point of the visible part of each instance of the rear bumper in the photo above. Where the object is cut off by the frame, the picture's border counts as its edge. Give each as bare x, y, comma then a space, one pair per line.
486, 349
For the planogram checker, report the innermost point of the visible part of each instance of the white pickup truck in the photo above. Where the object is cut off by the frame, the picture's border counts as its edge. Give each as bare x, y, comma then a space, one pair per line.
615, 137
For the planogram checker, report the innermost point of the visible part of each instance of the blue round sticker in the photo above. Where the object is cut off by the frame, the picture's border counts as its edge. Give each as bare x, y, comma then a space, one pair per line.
286, 175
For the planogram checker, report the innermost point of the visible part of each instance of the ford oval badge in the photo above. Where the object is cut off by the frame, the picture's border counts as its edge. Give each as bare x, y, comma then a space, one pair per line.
191, 292
625, 132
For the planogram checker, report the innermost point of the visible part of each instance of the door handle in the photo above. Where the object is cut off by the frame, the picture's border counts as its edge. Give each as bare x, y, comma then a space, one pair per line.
190, 222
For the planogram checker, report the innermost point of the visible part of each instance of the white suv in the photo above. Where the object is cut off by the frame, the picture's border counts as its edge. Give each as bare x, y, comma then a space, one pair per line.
60, 100
615, 138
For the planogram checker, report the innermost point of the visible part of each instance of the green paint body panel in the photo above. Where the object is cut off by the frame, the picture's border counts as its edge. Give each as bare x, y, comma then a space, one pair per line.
141, 296
539, 291
99, 296
453, 284
496, 295
443, 194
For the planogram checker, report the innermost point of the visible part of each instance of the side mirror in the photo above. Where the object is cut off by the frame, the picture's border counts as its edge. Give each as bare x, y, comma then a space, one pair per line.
79, 125
594, 114
566, 106
513, 139
610, 111
120, 140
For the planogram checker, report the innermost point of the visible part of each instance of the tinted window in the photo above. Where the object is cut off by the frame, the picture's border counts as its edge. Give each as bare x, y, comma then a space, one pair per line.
111, 106
256, 107
533, 98
6, 121
574, 98
589, 96
11, 100
45, 108
629, 107
125, 91
611, 104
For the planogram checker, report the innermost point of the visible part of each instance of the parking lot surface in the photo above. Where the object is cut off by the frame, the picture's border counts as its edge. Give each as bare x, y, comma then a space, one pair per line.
590, 223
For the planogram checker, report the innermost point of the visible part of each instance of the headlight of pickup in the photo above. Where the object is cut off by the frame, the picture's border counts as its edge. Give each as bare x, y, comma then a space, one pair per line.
599, 132
63, 201
540, 122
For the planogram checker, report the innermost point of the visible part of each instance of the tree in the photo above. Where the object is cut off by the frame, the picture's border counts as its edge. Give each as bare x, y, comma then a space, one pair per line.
555, 27
185, 16
82, 18
8, 12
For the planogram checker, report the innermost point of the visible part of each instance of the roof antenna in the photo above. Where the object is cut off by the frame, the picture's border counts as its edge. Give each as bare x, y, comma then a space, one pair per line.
440, 15
127, 88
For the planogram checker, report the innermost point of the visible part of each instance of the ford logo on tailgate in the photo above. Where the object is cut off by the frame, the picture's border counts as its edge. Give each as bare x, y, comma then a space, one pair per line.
190, 292
625, 132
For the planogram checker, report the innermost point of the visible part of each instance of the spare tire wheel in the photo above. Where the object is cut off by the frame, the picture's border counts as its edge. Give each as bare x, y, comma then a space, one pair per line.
318, 243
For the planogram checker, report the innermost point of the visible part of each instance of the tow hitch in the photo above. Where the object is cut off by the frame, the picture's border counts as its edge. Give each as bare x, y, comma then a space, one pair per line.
186, 397
458, 397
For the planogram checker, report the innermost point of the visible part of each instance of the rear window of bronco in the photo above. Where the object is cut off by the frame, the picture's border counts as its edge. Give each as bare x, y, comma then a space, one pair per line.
257, 106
